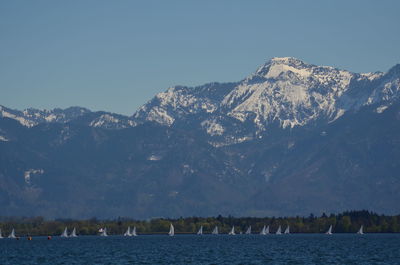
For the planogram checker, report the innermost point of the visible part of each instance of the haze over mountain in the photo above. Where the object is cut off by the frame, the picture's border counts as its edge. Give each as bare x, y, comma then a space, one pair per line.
290, 139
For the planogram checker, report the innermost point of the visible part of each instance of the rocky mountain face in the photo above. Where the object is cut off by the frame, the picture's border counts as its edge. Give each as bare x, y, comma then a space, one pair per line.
290, 139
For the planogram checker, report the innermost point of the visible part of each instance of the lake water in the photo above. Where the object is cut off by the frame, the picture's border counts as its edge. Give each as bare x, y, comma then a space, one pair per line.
206, 249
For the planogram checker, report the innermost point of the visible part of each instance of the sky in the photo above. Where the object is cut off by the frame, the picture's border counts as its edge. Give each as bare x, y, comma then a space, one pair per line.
116, 55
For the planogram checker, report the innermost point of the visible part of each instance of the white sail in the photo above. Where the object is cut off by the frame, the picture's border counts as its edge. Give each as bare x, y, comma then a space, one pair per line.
133, 233
215, 231
361, 232
12, 234
248, 231
128, 232
104, 232
171, 230
232, 232
287, 231
279, 231
73, 234
200, 232
267, 230
263, 231
329, 232
1, 236
65, 233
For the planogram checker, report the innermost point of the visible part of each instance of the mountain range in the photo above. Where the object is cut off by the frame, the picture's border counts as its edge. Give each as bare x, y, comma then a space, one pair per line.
290, 139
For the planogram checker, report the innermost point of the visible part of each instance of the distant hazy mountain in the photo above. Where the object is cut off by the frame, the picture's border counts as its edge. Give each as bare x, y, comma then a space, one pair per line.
292, 138
32, 117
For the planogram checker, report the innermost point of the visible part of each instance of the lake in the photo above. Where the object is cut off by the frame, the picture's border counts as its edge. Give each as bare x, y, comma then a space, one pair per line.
205, 249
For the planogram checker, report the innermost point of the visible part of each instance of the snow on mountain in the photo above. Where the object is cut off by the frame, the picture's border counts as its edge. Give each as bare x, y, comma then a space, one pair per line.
16, 115
112, 121
55, 115
180, 101
284, 90
213, 127
289, 91
32, 117
388, 88
28, 174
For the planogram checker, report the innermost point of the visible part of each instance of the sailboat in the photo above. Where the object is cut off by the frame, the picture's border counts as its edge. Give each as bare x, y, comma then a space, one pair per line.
263, 231
103, 232
232, 232
133, 233
12, 234
287, 230
329, 232
128, 232
267, 230
1, 236
248, 231
215, 231
73, 234
65, 233
171, 230
361, 232
200, 232
279, 231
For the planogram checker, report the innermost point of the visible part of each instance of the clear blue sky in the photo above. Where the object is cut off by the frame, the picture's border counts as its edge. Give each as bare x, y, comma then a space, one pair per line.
116, 55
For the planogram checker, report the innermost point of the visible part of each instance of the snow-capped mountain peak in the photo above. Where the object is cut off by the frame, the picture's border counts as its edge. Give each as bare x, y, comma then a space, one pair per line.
289, 91
284, 90
274, 67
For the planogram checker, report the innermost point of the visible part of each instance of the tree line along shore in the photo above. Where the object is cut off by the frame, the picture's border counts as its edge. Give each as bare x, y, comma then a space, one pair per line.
346, 222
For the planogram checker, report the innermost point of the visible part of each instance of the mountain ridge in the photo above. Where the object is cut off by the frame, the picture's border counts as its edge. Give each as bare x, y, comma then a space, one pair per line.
279, 142
275, 92
237, 98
